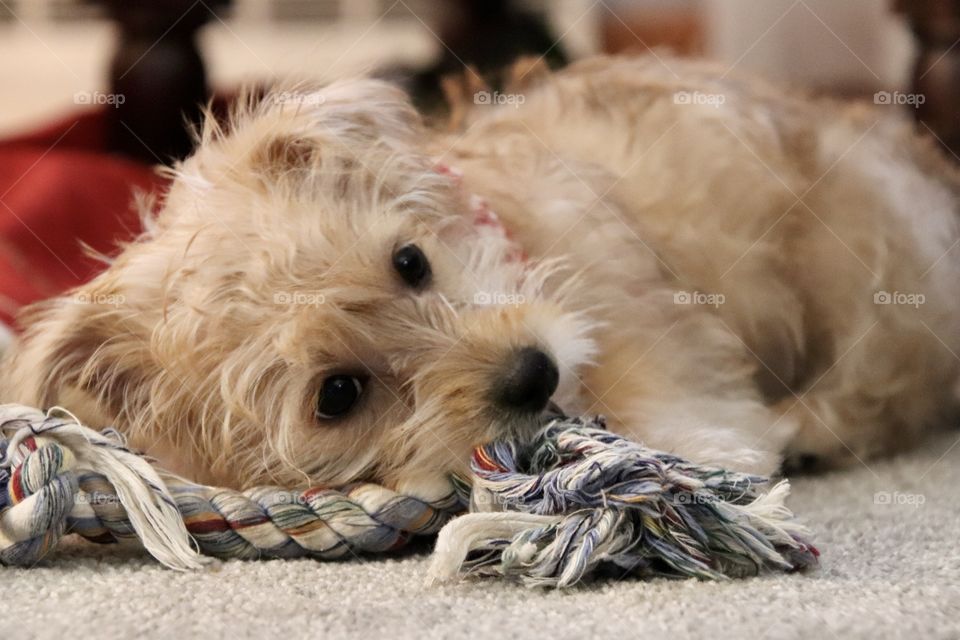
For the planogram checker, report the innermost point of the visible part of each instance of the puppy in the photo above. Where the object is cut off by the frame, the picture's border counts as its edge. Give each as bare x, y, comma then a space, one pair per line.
331, 291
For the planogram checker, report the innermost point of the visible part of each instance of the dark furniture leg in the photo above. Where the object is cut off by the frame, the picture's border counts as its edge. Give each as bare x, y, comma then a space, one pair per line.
936, 73
158, 71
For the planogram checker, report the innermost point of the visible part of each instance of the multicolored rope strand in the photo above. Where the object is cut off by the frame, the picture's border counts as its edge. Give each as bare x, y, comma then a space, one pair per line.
572, 503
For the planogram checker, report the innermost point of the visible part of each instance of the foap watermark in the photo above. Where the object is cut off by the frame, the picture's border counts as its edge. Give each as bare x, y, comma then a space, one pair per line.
698, 297
490, 501
99, 98
699, 98
286, 497
96, 499
108, 299
686, 497
499, 298
900, 298
899, 499
899, 98
298, 98
497, 98
299, 298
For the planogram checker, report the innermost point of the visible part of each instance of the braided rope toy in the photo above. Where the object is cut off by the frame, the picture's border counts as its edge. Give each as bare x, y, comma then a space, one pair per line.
575, 501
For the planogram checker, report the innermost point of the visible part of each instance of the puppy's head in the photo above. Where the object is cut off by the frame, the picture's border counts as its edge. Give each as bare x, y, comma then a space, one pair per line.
314, 303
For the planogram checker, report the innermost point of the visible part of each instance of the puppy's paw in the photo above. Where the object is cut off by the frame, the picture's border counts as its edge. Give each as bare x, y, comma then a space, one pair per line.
815, 446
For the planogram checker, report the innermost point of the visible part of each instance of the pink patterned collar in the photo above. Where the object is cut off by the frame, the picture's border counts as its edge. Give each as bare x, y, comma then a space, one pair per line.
484, 217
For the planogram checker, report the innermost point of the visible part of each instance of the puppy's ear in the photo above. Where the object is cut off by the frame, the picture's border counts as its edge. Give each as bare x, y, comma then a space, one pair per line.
301, 131
362, 111
460, 91
527, 73
78, 345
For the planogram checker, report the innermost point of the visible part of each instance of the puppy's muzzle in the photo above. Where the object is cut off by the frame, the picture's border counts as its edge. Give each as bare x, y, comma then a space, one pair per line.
531, 378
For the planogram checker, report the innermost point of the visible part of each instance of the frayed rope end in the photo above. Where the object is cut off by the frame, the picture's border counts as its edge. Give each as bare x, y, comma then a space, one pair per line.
579, 500
150, 508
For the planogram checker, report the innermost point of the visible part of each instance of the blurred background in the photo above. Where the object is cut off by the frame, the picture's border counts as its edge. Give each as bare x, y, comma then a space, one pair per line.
52, 49
95, 91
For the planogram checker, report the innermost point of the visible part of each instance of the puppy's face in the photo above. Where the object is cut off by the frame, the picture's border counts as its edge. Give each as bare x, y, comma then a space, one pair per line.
315, 303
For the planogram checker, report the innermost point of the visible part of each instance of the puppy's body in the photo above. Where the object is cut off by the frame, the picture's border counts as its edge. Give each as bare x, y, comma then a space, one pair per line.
711, 278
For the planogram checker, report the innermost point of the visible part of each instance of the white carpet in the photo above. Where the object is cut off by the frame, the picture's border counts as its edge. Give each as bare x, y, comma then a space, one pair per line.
888, 570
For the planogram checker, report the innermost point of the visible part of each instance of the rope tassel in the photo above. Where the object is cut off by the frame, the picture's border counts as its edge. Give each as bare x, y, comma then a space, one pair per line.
579, 499
573, 502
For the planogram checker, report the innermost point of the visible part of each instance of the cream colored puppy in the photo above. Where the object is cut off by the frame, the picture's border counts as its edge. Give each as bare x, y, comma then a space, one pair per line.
331, 291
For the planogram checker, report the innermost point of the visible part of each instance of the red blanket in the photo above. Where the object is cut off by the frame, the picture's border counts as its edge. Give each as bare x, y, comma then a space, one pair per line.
59, 190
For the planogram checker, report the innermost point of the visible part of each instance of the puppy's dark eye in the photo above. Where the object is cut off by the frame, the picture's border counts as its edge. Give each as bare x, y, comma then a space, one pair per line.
412, 265
337, 396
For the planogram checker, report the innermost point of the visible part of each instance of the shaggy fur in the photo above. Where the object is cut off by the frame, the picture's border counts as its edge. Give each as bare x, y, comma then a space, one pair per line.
710, 275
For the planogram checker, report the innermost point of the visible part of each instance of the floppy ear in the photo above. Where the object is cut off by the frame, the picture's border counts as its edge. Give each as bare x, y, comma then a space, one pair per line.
78, 346
460, 90
362, 110
298, 131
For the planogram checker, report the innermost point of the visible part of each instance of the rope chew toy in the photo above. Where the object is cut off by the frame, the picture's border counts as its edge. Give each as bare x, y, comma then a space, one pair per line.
580, 499
574, 502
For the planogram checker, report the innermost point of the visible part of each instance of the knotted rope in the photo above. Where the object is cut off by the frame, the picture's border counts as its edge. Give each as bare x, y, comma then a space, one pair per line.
579, 499
573, 502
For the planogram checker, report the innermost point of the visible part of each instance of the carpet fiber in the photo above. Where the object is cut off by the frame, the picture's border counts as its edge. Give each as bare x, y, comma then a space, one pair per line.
890, 568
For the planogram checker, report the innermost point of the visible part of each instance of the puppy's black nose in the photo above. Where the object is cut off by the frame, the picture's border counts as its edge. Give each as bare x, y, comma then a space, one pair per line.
531, 379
